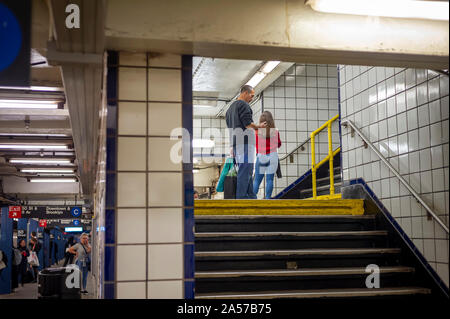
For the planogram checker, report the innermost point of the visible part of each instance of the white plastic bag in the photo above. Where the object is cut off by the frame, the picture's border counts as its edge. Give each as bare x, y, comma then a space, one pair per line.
33, 259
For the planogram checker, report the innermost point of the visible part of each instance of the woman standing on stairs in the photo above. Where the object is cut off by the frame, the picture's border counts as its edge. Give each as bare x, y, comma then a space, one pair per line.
267, 143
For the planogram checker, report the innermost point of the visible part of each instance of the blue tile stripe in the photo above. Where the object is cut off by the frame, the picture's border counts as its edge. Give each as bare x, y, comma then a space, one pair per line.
188, 178
412, 247
111, 176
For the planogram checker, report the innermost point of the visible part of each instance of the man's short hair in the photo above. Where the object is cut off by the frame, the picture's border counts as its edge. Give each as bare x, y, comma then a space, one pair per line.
247, 88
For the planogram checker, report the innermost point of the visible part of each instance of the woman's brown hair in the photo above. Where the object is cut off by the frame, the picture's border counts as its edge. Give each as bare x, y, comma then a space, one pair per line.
267, 117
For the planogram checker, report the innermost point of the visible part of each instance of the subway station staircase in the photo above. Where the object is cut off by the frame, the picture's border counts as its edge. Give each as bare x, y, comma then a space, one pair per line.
254, 249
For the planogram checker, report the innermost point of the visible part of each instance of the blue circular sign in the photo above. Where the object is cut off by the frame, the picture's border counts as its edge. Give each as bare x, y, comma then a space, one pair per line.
76, 222
10, 37
76, 211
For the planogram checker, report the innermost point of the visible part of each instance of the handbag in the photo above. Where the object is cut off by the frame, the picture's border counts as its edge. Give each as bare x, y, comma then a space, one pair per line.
230, 183
279, 170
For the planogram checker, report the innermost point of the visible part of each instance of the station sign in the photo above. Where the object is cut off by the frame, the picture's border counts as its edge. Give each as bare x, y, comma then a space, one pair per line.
51, 212
15, 211
69, 222
21, 233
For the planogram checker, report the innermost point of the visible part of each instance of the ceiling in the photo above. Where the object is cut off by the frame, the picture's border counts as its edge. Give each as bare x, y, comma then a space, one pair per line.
216, 82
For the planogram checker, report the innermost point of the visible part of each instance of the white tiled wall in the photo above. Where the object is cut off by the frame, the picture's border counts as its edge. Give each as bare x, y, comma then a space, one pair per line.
301, 100
404, 112
150, 217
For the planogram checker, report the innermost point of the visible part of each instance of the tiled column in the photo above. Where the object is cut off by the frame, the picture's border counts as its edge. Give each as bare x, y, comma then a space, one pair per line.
149, 202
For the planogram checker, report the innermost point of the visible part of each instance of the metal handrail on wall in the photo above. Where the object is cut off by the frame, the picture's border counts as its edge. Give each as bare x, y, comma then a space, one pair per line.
329, 158
394, 171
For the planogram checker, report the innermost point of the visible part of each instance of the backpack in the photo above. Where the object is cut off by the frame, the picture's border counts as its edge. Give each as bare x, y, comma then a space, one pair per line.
17, 258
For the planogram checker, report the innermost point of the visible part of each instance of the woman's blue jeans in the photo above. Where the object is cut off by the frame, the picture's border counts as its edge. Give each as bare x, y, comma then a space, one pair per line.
84, 273
265, 165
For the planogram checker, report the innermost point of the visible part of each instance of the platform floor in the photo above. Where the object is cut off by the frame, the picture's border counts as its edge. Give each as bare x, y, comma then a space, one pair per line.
30, 290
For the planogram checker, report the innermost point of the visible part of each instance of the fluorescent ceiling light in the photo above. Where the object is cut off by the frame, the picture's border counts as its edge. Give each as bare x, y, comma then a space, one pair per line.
40, 161
256, 78
46, 170
434, 10
33, 147
35, 134
197, 143
28, 104
34, 88
73, 229
269, 66
195, 171
53, 180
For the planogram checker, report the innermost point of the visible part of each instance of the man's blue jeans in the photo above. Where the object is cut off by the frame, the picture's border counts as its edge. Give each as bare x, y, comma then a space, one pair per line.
245, 159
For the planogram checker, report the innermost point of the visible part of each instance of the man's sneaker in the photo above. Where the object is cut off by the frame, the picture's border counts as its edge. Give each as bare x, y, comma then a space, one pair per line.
84, 291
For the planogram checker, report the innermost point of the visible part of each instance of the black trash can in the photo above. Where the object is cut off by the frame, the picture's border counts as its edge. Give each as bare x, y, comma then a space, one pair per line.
52, 284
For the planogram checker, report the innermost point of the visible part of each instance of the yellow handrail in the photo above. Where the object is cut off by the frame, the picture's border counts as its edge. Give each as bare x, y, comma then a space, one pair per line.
329, 158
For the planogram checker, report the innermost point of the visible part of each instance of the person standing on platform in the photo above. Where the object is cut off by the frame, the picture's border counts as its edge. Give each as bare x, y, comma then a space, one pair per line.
68, 258
23, 266
34, 246
83, 259
267, 142
239, 118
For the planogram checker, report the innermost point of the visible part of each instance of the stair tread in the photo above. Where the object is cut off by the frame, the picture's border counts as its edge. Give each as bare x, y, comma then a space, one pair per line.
295, 234
344, 292
298, 272
339, 251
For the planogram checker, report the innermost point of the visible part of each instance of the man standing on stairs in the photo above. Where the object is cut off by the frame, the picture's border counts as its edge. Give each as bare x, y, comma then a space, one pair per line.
239, 118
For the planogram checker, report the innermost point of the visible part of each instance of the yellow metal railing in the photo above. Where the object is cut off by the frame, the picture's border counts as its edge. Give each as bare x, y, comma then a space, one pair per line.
329, 158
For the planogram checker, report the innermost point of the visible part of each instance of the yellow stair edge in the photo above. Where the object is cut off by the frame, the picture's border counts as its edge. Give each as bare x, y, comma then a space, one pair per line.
279, 207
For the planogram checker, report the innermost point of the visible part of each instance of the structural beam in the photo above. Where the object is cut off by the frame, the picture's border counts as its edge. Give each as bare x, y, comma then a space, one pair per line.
274, 30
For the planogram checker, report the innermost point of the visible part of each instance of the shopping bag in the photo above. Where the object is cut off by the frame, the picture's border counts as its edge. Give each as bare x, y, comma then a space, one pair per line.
33, 259
229, 187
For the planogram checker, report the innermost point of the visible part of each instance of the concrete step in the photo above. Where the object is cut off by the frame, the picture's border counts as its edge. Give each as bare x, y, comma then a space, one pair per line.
283, 223
292, 279
289, 240
299, 272
295, 258
321, 293
297, 252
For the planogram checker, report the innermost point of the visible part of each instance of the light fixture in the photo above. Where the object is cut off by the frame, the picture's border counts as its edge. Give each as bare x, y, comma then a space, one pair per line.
34, 88
198, 143
261, 74
28, 104
269, 66
46, 170
35, 134
34, 146
53, 180
256, 78
433, 10
195, 171
40, 161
